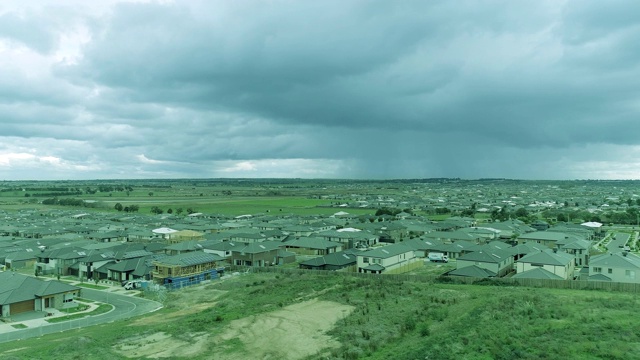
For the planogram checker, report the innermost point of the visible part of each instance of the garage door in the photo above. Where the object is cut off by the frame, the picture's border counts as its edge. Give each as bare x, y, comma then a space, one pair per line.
23, 306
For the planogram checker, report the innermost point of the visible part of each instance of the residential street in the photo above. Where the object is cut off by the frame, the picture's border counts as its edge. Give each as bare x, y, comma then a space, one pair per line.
618, 242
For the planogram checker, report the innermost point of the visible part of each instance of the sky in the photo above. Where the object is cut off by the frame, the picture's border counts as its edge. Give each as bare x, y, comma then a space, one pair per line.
319, 89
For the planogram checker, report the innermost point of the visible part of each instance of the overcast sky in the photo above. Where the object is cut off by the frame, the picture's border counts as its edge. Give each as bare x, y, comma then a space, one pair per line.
319, 89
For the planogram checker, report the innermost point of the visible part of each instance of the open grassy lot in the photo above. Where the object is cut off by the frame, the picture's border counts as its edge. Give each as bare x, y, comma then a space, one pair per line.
357, 318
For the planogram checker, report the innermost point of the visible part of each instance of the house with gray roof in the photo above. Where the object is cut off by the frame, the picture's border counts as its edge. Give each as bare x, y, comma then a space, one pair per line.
264, 253
22, 259
472, 271
130, 269
422, 247
183, 247
350, 237
537, 273
311, 245
619, 267
498, 261
20, 293
59, 261
556, 262
580, 249
394, 258
339, 261
550, 239
223, 249
456, 249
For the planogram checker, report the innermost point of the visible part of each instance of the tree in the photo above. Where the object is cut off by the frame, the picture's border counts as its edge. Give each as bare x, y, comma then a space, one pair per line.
156, 210
179, 211
522, 212
468, 212
169, 211
118, 207
561, 217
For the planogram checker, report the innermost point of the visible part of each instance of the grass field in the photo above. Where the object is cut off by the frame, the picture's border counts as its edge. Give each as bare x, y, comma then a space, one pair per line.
198, 200
373, 319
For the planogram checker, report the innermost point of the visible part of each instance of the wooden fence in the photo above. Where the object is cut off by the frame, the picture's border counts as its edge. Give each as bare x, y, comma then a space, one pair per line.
536, 283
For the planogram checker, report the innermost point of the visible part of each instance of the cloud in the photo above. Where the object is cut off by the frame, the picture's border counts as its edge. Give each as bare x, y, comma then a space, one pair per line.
321, 89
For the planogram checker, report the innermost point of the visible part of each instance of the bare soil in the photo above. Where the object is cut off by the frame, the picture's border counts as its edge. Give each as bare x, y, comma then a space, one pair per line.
293, 332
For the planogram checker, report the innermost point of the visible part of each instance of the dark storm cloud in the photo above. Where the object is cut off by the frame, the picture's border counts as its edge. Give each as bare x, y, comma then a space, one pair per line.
363, 88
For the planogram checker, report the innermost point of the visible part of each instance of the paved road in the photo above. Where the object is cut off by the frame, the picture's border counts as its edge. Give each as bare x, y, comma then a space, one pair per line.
124, 307
618, 242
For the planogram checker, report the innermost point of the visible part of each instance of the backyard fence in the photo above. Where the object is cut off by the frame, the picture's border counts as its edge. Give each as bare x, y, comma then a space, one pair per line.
539, 283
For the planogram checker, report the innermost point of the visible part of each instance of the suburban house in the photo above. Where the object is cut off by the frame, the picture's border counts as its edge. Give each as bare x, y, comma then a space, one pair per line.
222, 248
265, 253
550, 239
620, 267
128, 269
556, 262
472, 271
312, 246
350, 237
422, 247
537, 273
183, 247
521, 250
339, 261
395, 258
482, 234
456, 249
59, 261
490, 258
21, 293
21, 259
186, 269
580, 250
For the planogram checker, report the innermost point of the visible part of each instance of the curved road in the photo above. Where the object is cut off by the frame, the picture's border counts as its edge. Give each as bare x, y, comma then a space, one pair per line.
124, 308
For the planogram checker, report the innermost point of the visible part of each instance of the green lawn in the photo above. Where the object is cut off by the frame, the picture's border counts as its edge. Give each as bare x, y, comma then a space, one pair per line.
101, 309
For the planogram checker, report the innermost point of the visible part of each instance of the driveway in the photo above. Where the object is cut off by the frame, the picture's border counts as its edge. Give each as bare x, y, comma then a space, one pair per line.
124, 307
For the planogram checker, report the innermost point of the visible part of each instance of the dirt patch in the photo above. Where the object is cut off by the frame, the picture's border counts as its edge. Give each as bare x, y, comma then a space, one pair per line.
294, 332
162, 345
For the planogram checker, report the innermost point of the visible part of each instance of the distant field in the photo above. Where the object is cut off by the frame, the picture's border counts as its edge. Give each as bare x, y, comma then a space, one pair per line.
374, 318
227, 200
